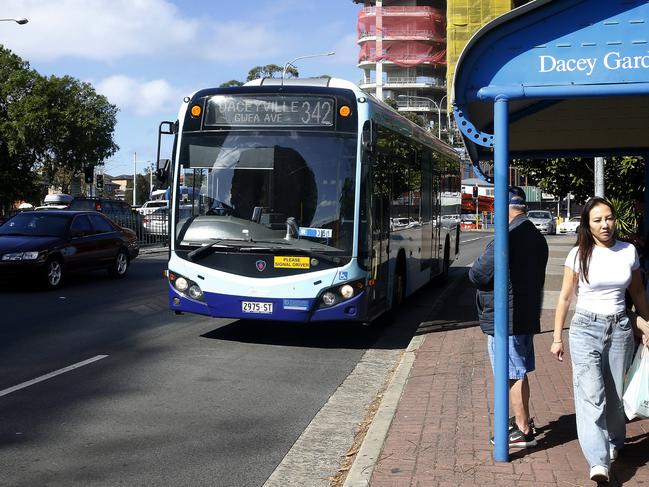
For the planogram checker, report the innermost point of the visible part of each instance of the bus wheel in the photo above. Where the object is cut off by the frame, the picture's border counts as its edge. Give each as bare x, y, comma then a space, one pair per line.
446, 263
399, 282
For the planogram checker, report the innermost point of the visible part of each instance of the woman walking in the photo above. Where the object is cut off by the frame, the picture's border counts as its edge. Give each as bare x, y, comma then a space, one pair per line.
599, 269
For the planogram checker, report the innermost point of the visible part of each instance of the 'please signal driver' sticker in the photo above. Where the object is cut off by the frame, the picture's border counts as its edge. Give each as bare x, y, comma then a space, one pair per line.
291, 262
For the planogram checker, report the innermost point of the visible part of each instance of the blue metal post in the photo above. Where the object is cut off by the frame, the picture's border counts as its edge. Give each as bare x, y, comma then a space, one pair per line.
645, 222
501, 279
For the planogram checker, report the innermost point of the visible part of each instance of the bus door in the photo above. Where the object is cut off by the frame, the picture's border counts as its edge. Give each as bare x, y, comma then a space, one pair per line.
429, 224
380, 235
438, 233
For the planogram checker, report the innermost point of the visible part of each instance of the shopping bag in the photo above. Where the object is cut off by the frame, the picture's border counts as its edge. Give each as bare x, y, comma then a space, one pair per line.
636, 386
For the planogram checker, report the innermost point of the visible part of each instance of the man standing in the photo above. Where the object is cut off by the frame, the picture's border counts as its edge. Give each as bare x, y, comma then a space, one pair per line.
528, 256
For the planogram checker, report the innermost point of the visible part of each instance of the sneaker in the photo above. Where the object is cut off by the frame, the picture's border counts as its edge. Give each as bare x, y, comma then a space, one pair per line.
530, 423
599, 473
518, 439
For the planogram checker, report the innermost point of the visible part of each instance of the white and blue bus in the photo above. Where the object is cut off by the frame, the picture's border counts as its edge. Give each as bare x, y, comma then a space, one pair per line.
304, 200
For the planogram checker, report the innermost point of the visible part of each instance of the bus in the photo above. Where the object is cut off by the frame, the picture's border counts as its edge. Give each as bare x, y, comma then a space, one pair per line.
287, 203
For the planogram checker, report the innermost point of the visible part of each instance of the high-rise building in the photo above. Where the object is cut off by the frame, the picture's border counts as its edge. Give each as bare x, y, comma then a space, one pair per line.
409, 49
403, 55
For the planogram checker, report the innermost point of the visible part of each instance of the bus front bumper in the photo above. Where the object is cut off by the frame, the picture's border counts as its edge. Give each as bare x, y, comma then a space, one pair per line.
271, 309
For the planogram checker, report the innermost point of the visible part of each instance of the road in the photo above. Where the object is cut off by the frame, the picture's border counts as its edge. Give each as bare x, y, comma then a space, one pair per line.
101, 385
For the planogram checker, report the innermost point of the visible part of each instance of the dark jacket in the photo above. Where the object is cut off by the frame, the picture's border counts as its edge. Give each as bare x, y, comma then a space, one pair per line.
528, 256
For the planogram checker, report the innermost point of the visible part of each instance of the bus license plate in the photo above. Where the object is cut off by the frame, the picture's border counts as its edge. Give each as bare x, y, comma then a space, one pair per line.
256, 307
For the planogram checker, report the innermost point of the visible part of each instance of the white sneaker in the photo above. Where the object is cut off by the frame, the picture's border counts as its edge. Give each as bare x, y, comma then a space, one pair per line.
613, 453
599, 473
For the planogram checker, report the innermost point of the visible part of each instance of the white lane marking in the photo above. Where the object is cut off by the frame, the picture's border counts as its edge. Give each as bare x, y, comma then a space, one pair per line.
472, 240
15, 388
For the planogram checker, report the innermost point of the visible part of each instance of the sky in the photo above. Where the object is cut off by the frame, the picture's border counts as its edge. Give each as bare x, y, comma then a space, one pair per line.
145, 56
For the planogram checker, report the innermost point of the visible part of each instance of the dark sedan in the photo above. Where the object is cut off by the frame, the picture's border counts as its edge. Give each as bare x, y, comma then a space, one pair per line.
49, 244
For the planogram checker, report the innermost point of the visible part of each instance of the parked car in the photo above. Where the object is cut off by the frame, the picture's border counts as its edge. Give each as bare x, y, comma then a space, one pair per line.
46, 245
400, 223
156, 222
117, 210
543, 220
450, 221
570, 226
150, 206
58, 199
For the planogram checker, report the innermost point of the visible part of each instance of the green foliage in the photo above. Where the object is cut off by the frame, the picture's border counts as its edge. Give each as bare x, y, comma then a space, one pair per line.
623, 176
413, 117
49, 126
143, 188
271, 71
626, 217
232, 82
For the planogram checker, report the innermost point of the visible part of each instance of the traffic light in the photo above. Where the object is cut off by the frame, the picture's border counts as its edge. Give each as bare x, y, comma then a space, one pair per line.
475, 191
100, 181
88, 174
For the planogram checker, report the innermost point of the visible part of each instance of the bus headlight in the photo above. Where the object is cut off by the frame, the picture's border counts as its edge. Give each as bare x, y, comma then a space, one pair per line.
181, 284
329, 298
195, 292
341, 293
346, 291
185, 286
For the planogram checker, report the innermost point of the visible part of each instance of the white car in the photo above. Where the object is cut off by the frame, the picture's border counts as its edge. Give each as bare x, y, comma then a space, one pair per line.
400, 223
150, 206
543, 221
570, 226
156, 222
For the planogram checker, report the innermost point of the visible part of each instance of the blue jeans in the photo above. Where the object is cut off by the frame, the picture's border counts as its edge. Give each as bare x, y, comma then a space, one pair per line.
601, 350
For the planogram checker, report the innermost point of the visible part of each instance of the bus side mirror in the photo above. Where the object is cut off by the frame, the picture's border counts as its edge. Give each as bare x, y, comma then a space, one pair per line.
167, 128
368, 142
162, 170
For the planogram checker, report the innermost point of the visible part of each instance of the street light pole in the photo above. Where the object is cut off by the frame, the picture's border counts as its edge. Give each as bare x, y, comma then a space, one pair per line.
290, 63
150, 179
18, 20
134, 176
438, 107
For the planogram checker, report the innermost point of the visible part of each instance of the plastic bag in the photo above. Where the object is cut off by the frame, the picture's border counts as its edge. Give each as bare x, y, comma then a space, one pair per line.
636, 386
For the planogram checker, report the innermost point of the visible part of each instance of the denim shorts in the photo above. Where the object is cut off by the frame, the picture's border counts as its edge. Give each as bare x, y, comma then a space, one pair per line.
521, 355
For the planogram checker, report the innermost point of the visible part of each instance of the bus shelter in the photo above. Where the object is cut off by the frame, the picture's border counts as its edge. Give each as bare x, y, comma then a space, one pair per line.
551, 78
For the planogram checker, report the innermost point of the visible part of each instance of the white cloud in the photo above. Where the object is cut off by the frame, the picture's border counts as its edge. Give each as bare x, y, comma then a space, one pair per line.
140, 97
236, 41
94, 29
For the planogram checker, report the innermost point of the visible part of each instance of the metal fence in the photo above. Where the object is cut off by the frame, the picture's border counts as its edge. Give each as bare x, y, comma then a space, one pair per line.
152, 229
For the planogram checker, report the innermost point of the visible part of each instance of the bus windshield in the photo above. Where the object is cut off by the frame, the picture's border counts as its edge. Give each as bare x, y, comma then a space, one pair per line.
284, 187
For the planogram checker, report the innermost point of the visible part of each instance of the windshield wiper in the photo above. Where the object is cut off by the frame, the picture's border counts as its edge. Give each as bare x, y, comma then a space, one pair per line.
204, 249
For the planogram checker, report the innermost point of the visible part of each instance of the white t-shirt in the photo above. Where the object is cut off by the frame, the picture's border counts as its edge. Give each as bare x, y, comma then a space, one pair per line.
609, 273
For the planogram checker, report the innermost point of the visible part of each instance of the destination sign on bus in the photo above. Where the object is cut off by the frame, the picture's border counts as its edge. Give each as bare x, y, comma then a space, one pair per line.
269, 111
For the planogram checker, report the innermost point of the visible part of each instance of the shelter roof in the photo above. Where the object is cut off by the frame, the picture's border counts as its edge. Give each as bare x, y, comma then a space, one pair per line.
575, 73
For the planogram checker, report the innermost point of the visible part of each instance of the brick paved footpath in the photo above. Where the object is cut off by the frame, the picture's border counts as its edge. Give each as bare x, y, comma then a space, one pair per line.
439, 435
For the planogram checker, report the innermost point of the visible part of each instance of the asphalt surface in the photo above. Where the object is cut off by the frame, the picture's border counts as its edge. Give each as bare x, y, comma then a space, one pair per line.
126, 393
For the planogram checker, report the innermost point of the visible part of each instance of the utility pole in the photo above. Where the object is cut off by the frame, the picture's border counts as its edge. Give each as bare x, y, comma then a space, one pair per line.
134, 174
599, 176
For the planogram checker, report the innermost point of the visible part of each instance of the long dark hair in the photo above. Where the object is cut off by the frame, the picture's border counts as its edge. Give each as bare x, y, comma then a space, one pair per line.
585, 240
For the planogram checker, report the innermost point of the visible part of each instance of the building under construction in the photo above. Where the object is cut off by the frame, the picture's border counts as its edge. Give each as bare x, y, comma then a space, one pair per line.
409, 49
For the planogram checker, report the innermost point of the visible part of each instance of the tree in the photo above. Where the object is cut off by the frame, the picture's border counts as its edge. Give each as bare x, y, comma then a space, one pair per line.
271, 71
143, 189
232, 82
623, 176
16, 178
50, 126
